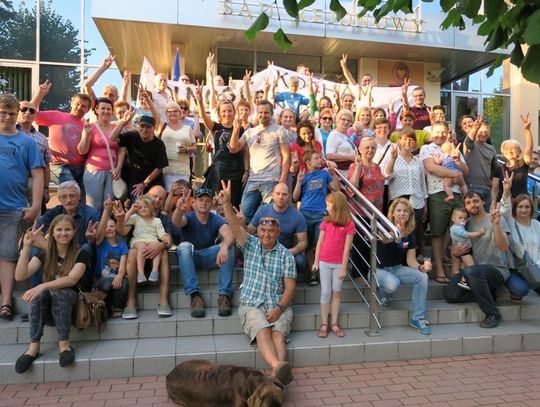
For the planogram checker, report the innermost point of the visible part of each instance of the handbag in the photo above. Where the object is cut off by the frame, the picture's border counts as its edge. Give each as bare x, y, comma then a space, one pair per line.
528, 269
119, 186
90, 310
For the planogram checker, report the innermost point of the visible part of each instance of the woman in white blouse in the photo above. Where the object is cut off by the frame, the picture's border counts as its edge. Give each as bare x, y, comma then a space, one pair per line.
406, 178
339, 148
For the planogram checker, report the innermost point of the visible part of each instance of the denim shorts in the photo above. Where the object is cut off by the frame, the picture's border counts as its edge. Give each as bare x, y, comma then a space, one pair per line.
11, 228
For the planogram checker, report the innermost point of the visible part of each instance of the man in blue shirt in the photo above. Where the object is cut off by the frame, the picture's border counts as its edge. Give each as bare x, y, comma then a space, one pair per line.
199, 250
293, 229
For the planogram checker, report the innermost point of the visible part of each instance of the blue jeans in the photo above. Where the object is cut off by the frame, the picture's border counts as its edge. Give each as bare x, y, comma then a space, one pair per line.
390, 278
518, 286
191, 260
116, 297
65, 172
313, 222
484, 280
255, 192
301, 263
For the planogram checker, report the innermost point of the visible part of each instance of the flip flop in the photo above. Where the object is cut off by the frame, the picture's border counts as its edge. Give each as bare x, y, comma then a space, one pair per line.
442, 280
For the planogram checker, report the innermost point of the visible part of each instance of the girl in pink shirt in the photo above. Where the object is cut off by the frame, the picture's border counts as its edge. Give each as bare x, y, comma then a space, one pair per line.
331, 258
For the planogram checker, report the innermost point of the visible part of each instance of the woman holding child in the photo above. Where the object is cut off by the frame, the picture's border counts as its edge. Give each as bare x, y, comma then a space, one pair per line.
63, 267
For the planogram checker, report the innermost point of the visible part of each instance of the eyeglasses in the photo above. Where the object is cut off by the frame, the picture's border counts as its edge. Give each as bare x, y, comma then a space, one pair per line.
269, 221
65, 196
326, 118
12, 115
28, 109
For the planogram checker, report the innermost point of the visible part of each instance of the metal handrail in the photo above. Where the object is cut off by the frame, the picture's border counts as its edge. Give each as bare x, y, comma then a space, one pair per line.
371, 225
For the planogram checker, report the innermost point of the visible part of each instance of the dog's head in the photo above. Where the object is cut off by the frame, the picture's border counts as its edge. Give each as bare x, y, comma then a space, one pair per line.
267, 394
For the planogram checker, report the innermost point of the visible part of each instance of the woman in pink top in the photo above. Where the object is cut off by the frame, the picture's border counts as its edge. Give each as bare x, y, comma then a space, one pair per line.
331, 258
98, 174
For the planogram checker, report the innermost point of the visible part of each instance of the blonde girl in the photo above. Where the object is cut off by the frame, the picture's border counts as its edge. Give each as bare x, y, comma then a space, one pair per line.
331, 257
146, 229
63, 267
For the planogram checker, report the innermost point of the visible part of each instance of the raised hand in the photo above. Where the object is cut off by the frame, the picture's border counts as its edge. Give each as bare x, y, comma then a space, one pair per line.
91, 231
390, 105
247, 76
183, 202
478, 122
44, 88
127, 76
107, 62
343, 60
507, 183
198, 91
393, 152
225, 193
118, 209
31, 234
405, 86
240, 217
210, 60
526, 121
128, 115
108, 204
495, 214
300, 176
456, 154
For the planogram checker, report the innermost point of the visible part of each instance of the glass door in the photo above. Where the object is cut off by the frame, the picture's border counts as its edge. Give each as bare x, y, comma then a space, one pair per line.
17, 79
462, 104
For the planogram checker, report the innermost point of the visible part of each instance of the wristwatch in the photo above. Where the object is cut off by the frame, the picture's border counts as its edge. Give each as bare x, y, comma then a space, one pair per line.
281, 308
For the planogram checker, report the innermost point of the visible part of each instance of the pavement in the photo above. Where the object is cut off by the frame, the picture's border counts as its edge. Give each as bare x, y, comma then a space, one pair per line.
502, 379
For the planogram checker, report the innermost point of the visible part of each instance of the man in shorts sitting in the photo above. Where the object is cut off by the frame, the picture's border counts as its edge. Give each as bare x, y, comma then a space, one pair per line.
267, 289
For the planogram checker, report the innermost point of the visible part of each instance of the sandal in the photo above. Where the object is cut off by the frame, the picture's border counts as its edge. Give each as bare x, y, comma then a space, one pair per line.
336, 329
442, 280
323, 331
6, 312
116, 313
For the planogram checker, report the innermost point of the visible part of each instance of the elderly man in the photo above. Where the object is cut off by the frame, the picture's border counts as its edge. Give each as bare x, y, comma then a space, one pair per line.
293, 230
269, 158
267, 289
64, 135
147, 154
161, 95
199, 250
19, 159
157, 194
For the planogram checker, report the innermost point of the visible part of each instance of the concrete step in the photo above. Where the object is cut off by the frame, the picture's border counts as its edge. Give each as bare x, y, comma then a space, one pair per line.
148, 295
157, 356
306, 318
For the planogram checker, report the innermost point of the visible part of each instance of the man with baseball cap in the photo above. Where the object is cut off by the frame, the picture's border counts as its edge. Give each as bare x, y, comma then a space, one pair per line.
199, 249
147, 154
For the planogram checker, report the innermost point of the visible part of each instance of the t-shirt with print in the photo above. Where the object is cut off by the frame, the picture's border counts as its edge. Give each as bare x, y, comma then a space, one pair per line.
108, 258
291, 100
19, 155
82, 257
314, 190
334, 241
202, 235
144, 157
394, 253
291, 222
228, 165
434, 183
64, 135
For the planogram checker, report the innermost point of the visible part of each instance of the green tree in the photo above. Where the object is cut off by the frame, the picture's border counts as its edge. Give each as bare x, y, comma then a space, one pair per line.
59, 42
503, 24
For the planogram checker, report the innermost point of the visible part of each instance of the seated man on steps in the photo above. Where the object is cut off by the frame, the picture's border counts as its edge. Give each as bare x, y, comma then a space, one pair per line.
267, 289
199, 249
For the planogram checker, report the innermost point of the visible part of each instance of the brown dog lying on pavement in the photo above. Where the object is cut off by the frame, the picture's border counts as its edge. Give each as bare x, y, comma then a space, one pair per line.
199, 383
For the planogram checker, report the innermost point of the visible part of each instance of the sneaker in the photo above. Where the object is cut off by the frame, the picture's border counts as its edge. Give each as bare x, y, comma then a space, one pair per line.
421, 326
313, 279
197, 306
141, 278
385, 301
463, 284
164, 310
224, 306
490, 321
130, 313
153, 277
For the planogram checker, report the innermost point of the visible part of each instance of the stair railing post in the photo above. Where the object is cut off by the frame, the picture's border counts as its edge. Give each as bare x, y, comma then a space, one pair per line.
374, 304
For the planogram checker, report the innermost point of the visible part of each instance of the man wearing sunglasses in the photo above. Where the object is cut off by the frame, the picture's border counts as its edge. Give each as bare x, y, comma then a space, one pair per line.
199, 250
25, 119
267, 289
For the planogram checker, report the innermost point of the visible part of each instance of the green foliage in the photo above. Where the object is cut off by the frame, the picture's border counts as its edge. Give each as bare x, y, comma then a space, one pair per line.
258, 25
59, 42
282, 41
501, 26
